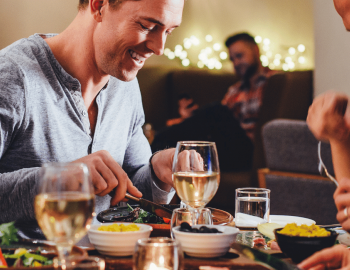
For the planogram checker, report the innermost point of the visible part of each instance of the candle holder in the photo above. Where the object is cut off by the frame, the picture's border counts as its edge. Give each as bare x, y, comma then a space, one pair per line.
158, 254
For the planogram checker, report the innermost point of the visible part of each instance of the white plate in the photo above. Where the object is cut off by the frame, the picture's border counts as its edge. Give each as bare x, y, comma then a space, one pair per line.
252, 222
284, 220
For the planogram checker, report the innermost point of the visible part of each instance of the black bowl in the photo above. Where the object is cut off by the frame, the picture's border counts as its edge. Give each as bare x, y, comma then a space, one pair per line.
298, 248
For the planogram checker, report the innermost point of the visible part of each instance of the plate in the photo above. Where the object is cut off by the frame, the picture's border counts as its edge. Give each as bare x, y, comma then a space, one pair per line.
114, 214
284, 220
251, 222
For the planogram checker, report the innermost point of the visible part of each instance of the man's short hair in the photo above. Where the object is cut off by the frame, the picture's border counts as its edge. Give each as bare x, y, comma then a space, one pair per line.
84, 3
240, 37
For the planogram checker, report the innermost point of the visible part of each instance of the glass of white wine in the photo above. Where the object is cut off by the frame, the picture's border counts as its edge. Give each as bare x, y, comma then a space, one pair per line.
196, 173
64, 206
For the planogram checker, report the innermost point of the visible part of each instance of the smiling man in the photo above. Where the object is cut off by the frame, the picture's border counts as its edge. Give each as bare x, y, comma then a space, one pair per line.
73, 97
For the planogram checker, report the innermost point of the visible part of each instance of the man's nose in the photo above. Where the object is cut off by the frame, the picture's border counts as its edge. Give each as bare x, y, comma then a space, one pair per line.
156, 43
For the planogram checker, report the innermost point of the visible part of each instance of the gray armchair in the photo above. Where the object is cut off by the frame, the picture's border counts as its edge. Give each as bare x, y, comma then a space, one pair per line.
292, 172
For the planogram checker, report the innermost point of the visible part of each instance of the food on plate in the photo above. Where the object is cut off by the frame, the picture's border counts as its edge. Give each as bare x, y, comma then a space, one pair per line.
8, 233
185, 227
23, 257
139, 215
119, 228
313, 230
268, 228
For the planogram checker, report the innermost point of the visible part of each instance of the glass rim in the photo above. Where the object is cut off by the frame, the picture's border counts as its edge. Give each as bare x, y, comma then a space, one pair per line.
195, 143
253, 190
63, 165
157, 242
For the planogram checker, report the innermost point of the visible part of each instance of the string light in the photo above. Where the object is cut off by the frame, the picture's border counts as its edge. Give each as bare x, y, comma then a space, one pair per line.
301, 48
223, 55
291, 51
258, 39
185, 62
216, 47
166, 51
301, 60
208, 38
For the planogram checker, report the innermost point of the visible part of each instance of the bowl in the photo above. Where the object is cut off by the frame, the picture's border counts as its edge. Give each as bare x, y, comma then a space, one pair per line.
298, 248
117, 243
206, 245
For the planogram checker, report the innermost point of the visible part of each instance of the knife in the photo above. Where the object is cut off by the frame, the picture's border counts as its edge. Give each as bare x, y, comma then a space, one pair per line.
151, 207
264, 258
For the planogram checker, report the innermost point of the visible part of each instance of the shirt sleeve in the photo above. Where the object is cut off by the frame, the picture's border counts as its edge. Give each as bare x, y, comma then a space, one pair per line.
136, 161
17, 188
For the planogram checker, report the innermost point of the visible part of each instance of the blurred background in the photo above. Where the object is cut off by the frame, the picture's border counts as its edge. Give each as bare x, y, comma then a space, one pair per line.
292, 34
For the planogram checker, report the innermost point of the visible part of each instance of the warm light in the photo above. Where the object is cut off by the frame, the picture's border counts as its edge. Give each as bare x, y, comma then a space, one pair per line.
202, 56
301, 48
301, 60
291, 65
285, 67
183, 55
288, 59
291, 51
171, 55
223, 55
195, 41
178, 48
264, 58
265, 64
218, 65
200, 64
208, 38
266, 41
258, 39
185, 62
166, 51
266, 48
177, 53
278, 56
211, 63
272, 66
277, 62
269, 54
196, 193
161, 260
187, 43
208, 50
216, 47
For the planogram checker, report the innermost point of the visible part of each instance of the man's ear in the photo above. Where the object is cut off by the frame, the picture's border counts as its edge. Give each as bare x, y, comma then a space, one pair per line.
95, 7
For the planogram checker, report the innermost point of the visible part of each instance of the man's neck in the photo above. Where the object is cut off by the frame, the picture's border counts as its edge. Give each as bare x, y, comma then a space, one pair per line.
73, 49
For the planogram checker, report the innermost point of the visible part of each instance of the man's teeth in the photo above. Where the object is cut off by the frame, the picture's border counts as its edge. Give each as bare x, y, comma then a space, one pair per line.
136, 56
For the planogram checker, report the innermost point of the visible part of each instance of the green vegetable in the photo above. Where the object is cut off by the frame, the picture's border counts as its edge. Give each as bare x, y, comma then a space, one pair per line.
35, 257
9, 233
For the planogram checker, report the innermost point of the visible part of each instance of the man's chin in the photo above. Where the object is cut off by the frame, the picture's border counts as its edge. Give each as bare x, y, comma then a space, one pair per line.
126, 76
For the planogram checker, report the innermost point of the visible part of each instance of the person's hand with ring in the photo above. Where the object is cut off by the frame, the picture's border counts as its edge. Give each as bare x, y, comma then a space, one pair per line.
342, 201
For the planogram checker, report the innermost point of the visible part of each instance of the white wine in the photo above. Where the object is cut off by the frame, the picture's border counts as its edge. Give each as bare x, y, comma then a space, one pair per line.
64, 217
196, 189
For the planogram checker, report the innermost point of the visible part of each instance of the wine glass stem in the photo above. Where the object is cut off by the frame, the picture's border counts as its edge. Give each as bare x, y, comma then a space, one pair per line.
63, 253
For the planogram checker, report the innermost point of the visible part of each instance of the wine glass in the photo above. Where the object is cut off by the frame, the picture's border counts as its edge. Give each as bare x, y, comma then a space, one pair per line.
64, 206
196, 173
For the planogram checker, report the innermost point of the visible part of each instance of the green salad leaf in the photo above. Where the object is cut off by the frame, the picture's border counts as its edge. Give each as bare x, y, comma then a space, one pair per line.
8, 233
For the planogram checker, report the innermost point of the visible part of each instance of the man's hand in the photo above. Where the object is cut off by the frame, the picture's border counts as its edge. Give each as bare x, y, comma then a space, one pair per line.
162, 163
107, 174
329, 118
335, 257
342, 201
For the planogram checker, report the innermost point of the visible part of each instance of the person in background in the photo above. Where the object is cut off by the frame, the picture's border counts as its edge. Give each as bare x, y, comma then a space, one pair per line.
186, 108
329, 120
73, 97
230, 124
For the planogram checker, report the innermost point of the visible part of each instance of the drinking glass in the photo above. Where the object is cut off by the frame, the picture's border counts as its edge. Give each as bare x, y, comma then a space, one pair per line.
252, 207
64, 206
196, 173
158, 254
181, 215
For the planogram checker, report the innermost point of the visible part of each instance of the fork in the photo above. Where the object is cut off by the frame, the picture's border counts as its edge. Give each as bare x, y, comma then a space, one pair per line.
322, 168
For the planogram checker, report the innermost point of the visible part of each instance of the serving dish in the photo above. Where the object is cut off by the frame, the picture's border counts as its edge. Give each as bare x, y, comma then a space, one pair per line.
206, 245
117, 243
299, 248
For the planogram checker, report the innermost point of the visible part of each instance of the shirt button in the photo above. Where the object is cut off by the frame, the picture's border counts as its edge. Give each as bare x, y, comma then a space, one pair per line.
83, 113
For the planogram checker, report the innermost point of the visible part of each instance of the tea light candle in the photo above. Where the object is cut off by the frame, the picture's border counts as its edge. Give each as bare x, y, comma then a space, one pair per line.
153, 266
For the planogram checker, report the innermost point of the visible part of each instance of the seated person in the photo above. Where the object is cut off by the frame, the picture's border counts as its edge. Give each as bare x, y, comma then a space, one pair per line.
186, 108
231, 123
329, 120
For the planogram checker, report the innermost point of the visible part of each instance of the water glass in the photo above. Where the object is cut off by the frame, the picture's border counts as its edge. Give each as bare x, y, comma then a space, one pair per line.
252, 207
181, 215
158, 254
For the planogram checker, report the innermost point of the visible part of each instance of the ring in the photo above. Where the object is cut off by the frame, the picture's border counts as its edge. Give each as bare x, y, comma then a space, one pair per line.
346, 212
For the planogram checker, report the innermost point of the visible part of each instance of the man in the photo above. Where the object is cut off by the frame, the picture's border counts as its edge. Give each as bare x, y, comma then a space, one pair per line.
73, 97
329, 120
230, 124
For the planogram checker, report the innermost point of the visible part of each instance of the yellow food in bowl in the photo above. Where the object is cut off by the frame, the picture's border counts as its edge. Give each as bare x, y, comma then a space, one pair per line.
304, 230
119, 228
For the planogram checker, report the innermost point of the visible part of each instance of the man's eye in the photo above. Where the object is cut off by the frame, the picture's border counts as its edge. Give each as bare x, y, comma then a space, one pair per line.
145, 28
